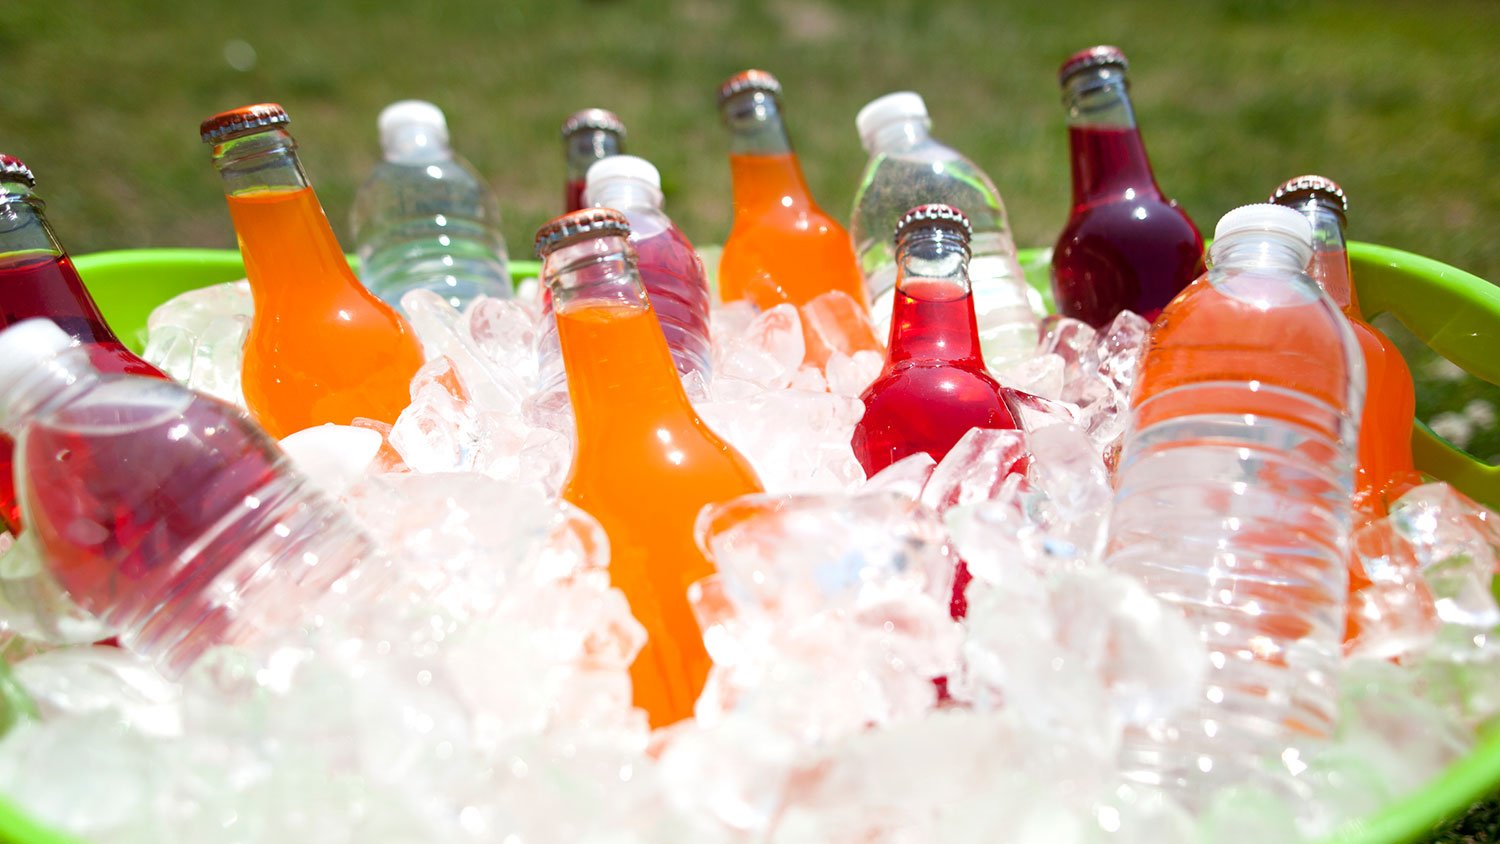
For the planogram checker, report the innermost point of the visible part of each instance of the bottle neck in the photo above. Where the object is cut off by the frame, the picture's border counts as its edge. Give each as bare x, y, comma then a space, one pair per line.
52, 383
755, 125
933, 313
1330, 261
1107, 156
899, 135
24, 230
623, 194
262, 161
36, 277
763, 169
1260, 250
586, 146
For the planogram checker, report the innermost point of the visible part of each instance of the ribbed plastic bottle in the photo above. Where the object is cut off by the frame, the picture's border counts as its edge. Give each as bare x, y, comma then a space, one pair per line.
1233, 502
425, 219
669, 267
588, 136
38, 280
908, 167
166, 513
645, 463
1126, 246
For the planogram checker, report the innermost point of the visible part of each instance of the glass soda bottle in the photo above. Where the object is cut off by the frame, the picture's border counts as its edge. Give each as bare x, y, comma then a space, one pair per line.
425, 219
670, 269
38, 280
782, 246
1384, 469
934, 386
321, 348
588, 136
166, 513
1232, 501
645, 464
908, 167
1126, 246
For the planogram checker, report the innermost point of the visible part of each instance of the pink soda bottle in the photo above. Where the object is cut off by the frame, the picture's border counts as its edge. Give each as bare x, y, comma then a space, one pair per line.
670, 269
588, 136
38, 280
934, 386
169, 515
1126, 246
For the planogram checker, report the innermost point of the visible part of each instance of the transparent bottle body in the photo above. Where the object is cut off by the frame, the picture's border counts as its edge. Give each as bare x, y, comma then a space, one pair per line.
1233, 504
906, 174
430, 225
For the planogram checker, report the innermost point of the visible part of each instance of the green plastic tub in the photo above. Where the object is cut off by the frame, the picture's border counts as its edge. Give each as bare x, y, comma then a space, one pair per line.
1455, 313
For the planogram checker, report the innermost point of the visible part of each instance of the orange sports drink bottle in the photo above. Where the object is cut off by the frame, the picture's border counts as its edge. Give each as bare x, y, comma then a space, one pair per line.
782, 247
645, 464
321, 347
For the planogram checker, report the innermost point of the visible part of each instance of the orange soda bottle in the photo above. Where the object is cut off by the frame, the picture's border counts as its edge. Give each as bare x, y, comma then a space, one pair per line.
645, 463
321, 347
782, 247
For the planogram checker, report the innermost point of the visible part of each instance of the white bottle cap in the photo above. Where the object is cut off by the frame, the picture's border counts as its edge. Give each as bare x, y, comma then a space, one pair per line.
25, 346
412, 129
614, 167
1265, 217
878, 113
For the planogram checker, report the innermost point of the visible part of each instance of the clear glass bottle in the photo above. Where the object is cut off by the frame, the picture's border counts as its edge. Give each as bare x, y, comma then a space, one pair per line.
908, 167
588, 136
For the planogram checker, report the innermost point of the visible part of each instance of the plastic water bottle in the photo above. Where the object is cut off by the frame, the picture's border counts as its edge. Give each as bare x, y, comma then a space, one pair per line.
1233, 501
908, 167
670, 269
425, 219
165, 513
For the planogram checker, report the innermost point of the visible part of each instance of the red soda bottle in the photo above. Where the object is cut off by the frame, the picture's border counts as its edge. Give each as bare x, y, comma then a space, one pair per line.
38, 280
1126, 245
588, 136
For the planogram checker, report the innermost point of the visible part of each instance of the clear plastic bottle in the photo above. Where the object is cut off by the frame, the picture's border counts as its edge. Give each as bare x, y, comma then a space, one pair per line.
425, 219
588, 136
1233, 502
669, 266
908, 167
166, 513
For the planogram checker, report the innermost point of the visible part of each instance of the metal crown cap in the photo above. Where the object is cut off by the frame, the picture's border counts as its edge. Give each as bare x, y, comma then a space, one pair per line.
935, 213
749, 80
241, 121
1098, 56
14, 169
579, 225
593, 118
1319, 187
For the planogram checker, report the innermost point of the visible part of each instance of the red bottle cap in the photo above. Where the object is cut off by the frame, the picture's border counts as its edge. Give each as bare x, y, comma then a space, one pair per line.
1321, 188
15, 170
1092, 57
241, 121
935, 214
579, 225
593, 118
749, 80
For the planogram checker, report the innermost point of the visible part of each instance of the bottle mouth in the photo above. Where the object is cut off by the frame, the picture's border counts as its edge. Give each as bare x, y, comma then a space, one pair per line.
577, 226
241, 121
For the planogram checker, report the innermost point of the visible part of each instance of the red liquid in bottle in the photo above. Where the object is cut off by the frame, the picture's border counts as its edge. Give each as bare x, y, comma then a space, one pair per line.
1126, 246
934, 387
674, 282
573, 194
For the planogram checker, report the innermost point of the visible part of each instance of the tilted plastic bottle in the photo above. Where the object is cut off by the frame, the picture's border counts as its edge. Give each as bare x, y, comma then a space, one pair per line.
1126, 246
166, 513
1233, 502
669, 267
588, 136
934, 387
38, 280
645, 463
908, 167
321, 348
782, 246
425, 219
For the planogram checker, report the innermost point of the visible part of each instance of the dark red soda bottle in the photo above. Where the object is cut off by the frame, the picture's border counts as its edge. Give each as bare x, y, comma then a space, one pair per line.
1126, 245
934, 386
38, 280
588, 136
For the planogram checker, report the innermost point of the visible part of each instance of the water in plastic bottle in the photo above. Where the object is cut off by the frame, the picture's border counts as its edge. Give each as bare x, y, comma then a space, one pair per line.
908, 167
38, 280
588, 136
1126, 246
164, 512
425, 219
645, 462
322, 348
1232, 501
670, 269
934, 387
782, 246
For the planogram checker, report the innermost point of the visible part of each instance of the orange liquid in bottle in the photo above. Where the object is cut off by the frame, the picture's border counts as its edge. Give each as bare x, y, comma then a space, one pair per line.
321, 347
644, 467
783, 247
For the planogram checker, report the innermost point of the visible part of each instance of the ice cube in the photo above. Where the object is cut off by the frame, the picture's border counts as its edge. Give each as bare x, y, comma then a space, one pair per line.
1391, 611
1455, 541
198, 338
852, 375
1040, 376
975, 468
79, 681
768, 351
444, 332
835, 323
505, 332
33, 604
333, 456
1119, 349
907, 476
798, 441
